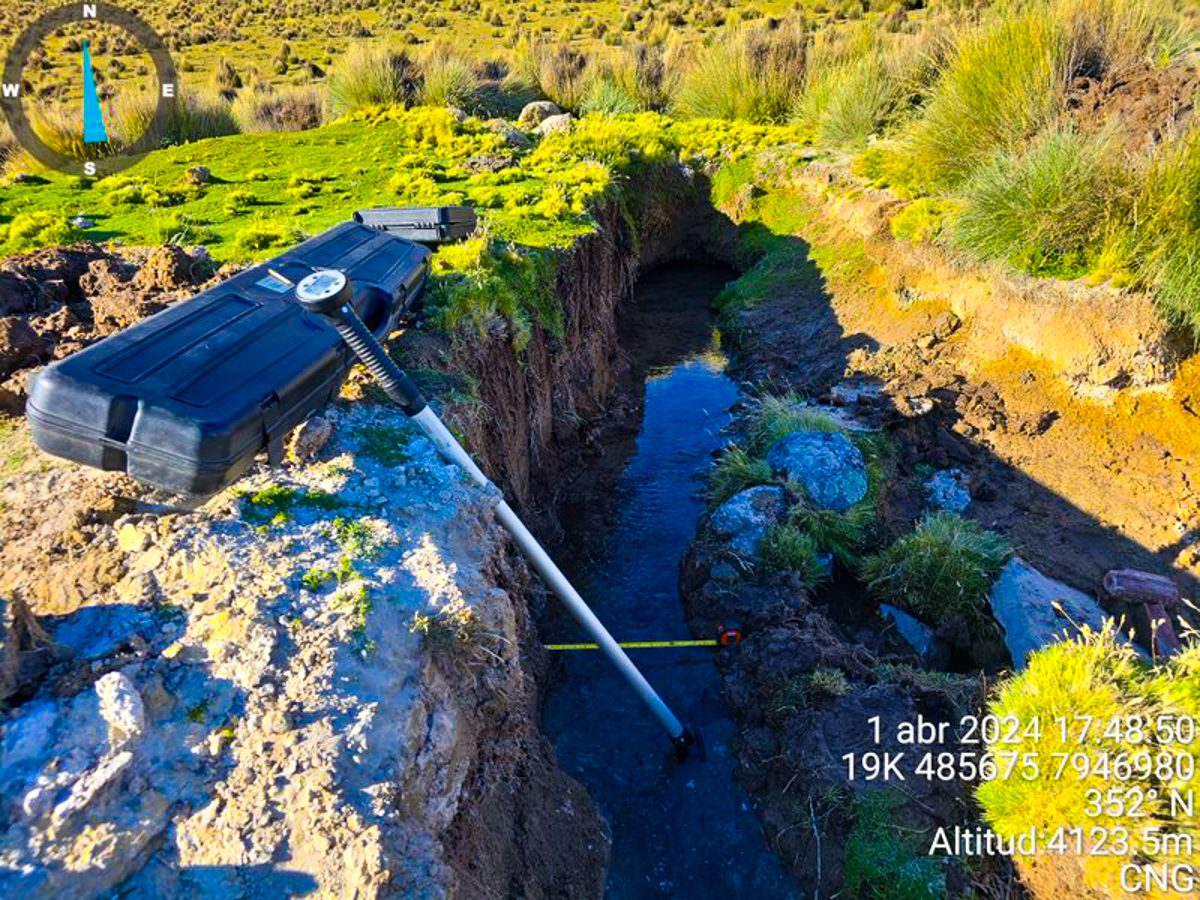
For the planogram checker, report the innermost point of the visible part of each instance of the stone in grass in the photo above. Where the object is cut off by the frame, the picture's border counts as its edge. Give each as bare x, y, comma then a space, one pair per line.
513, 137
743, 519
537, 112
919, 635
1023, 600
947, 489
826, 464
554, 123
308, 439
199, 175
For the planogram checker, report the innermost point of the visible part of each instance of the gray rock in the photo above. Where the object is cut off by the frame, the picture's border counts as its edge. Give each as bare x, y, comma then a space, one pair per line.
723, 572
82, 223
458, 114
1023, 601
919, 635
308, 439
120, 706
948, 489
199, 175
743, 519
826, 464
537, 112
554, 123
513, 137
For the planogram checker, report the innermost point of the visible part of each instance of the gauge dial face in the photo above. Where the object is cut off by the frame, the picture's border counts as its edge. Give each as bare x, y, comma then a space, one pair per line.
79, 126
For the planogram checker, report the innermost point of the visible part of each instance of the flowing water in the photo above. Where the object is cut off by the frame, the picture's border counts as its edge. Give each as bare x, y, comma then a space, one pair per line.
679, 830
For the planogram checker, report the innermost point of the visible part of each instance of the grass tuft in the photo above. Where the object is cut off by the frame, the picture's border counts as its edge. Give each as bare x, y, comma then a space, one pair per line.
1045, 208
749, 72
1005, 82
734, 471
786, 548
260, 108
773, 417
842, 535
943, 569
448, 79
370, 76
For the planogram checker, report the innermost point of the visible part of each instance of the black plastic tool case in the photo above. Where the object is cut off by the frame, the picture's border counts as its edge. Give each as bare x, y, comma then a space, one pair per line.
424, 224
185, 399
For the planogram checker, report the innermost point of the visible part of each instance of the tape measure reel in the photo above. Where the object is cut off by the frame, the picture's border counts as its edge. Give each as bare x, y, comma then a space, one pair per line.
729, 635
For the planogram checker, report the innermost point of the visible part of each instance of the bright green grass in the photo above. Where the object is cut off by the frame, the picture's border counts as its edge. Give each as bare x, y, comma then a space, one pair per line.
359, 162
1095, 678
308, 181
734, 471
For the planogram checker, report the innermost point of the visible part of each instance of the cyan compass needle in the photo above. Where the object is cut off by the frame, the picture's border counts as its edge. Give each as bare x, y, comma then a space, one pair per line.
93, 118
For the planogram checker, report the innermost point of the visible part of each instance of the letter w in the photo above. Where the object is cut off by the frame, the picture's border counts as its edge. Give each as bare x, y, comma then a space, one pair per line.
12, 90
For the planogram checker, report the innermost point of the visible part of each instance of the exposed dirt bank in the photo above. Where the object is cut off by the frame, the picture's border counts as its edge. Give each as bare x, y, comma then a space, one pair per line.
1073, 410
1143, 108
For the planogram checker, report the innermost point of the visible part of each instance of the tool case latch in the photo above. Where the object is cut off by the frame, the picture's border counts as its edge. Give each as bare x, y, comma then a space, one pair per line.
272, 434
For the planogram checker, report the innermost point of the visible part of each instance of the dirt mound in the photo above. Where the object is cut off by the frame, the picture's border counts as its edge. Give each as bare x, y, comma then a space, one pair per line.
1145, 107
57, 300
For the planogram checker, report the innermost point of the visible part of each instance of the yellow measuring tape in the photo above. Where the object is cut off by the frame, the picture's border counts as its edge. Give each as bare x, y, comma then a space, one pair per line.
636, 644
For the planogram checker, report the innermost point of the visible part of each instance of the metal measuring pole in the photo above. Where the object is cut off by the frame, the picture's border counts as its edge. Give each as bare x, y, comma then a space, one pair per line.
328, 293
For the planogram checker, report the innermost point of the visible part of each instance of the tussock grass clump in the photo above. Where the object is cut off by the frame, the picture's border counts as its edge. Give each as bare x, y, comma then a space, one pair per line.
560, 71
749, 72
844, 105
8, 145
1005, 82
195, 116
607, 96
1096, 677
842, 535
857, 82
37, 229
262, 108
645, 73
1006, 78
265, 235
786, 548
58, 129
734, 471
447, 79
1108, 37
772, 417
1046, 208
941, 570
1170, 192
370, 76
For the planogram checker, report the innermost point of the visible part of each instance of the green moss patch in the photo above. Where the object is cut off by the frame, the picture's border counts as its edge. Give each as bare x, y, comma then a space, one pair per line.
273, 505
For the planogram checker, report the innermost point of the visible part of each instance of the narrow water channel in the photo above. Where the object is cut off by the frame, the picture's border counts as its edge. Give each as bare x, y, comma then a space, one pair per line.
679, 830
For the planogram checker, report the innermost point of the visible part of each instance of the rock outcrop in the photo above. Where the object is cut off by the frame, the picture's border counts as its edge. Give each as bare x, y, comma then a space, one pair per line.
826, 464
743, 519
